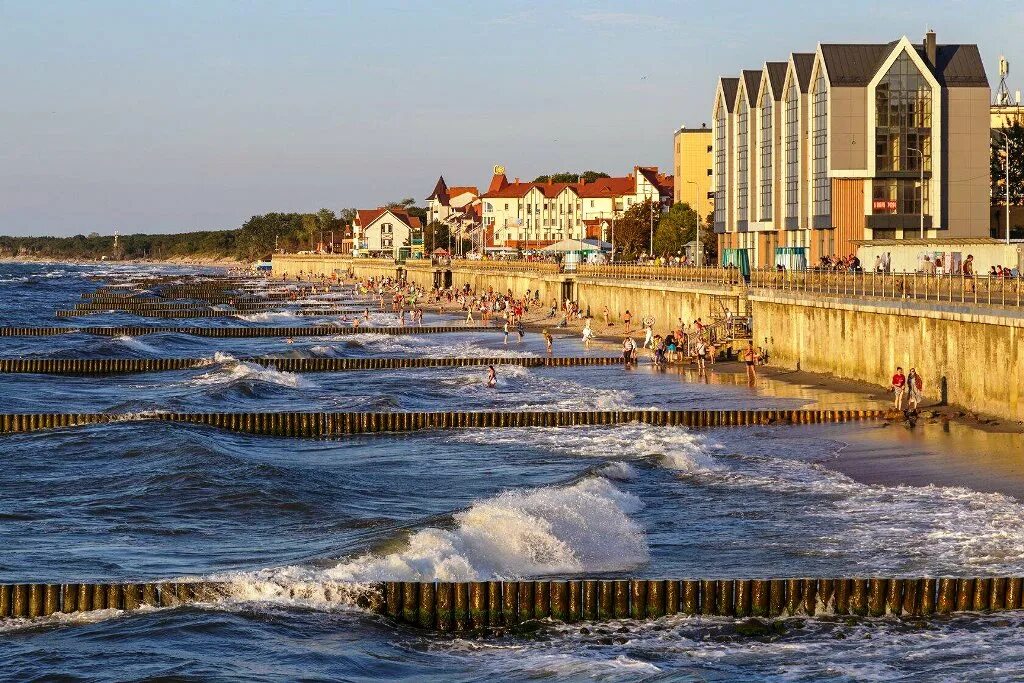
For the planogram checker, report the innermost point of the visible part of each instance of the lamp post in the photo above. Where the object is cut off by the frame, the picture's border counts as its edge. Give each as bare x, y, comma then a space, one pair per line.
696, 212
920, 156
1006, 180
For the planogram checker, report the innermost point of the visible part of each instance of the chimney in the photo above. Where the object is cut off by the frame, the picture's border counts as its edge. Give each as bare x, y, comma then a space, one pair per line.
929, 48
517, 180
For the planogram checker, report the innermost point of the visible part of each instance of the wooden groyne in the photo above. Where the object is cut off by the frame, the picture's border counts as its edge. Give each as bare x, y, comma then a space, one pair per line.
113, 366
340, 424
207, 312
479, 606
237, 332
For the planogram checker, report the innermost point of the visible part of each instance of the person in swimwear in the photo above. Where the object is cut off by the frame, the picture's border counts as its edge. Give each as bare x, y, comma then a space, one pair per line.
750, 358
548, 340
492, 377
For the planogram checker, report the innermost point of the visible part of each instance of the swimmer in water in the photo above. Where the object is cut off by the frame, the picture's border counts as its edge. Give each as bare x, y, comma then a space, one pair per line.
289, 340
492, 377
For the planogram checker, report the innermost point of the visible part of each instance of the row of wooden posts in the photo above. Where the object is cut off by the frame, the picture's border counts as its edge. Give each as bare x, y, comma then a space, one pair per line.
43, 599
334, 424
109, 366
475, 606
480, 605
236, 332
205, 312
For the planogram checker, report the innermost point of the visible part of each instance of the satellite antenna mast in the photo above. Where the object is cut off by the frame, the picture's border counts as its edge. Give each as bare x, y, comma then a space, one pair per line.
1002, 94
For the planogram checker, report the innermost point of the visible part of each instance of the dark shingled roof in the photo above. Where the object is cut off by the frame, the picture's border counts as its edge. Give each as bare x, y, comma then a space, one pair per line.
752, 81
729, 86
777, 76
854, 65
959, 66
803, 62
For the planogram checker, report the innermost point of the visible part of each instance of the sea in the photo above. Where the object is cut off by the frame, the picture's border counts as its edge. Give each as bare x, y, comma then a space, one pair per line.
290, 523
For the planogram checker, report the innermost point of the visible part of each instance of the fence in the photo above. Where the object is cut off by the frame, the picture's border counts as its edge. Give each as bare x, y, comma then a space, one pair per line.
713, 276
943, 288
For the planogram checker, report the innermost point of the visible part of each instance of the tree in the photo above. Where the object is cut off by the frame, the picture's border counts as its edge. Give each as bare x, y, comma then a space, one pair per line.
633, 229
347, 215
435, 236
571, 177
326, 219
675, 229
1015, 133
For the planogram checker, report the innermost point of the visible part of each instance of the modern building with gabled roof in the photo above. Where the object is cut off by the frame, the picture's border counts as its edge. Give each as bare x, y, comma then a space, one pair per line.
830, 148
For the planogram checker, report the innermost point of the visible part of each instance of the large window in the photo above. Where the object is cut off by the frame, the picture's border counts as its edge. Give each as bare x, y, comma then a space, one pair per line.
903, 119
742, 158
898, 196
767, 141
819, 148
720, 166
792, 133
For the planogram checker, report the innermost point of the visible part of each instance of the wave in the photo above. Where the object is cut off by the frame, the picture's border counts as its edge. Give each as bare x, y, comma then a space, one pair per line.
269, 316
422, 346
137, 345
232, 371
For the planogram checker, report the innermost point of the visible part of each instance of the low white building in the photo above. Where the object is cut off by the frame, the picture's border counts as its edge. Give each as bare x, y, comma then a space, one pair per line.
384, 232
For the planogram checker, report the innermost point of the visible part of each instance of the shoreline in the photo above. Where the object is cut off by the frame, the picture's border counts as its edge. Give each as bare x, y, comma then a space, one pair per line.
225, 262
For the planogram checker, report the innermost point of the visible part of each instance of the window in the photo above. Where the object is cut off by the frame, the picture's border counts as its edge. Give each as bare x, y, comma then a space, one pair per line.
489, 208
506, 206
903, 119
898, 196
820, 183
710, 148
591, 203
742, 158
792, 146
710, 172
720, 165
767, 143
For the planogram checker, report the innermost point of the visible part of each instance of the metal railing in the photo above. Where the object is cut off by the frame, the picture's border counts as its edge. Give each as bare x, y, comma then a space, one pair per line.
980, 290
717, 276
507, 266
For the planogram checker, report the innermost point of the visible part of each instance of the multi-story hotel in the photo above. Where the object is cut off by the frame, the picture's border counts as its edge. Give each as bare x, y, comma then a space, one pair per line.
534, 215
831, 147
691, 154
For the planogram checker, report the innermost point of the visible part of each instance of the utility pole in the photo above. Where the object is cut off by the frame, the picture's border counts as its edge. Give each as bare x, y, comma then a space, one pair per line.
699, 256
920, 157
1006, 179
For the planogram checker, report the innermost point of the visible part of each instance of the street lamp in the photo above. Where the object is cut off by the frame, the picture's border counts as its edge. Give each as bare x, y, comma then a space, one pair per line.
1006, 180
696, 212
920, 155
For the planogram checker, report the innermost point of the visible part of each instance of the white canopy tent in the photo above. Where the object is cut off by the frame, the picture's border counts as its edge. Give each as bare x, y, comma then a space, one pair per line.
587, 245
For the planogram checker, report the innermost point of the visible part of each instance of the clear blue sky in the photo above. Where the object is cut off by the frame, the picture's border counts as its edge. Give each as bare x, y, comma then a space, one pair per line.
164, 116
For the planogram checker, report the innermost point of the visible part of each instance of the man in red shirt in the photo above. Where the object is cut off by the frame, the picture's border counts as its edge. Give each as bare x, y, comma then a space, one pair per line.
899, 384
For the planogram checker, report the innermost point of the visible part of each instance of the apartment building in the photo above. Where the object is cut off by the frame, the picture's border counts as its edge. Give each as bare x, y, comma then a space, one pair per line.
852, 142
534, 215
691, 163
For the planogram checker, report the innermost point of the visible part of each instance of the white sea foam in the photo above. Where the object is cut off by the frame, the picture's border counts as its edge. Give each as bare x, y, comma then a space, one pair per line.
137, 344
230, 370
269, 316
412, 345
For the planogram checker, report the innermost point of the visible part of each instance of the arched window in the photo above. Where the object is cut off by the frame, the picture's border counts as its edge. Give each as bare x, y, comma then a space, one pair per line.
742, 158
792, 133
720, 165
820, 183
767, 142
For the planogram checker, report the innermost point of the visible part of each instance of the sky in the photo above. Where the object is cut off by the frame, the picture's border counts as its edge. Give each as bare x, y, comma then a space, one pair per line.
164, 116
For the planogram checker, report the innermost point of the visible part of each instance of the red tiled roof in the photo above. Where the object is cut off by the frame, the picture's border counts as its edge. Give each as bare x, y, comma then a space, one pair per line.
608, 187
459, 189
366, 216
498, 183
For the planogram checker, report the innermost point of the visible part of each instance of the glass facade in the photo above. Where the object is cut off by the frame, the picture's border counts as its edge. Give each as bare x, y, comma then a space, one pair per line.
821, 185
792, 135
766, 140
742, 158
720, 152
903, 119
898, 196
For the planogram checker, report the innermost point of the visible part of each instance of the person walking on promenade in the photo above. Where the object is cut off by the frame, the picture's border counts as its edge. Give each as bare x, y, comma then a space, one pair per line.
915, 385
899, 385
750, 359
968, 272
548, 340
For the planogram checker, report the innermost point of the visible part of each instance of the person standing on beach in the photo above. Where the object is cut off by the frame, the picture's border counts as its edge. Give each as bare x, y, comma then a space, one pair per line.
627, 318
548, 340
588, 334
702, 355
648, 336
607, 317
750, 358
915, 385
506, 329
520, 331
899, 385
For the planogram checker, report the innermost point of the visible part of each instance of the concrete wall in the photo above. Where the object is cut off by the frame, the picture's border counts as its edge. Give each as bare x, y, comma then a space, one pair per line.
666, 302
966, 162
981, 355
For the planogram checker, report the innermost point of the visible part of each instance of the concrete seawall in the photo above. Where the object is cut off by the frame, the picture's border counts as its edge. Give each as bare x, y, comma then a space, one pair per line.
980, 353
977, 349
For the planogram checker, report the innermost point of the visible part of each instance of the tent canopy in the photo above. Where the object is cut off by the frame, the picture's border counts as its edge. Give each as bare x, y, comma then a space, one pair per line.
578, 245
